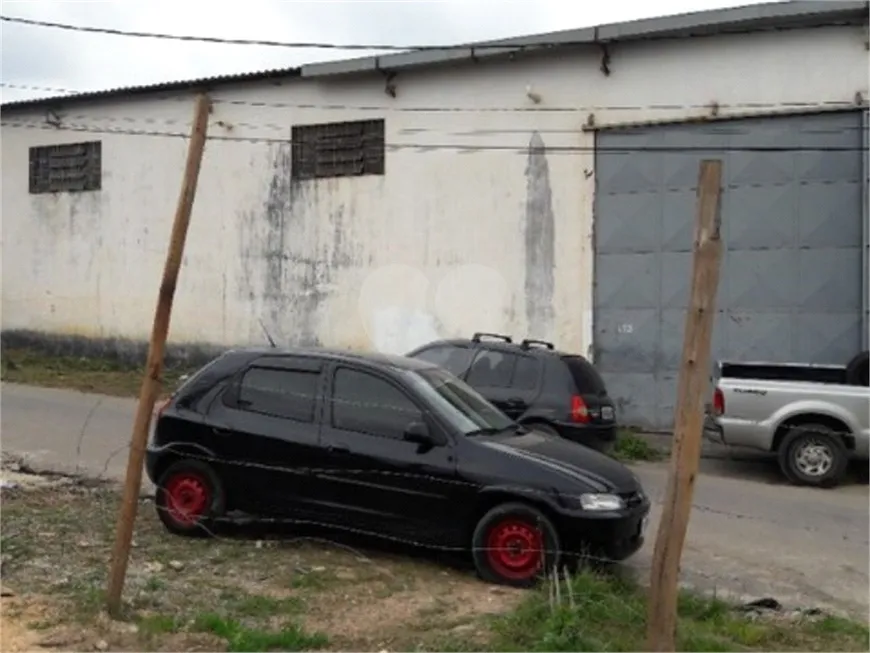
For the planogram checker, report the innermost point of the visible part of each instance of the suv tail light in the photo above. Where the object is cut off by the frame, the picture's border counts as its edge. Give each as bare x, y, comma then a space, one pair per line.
579, 411
718, 402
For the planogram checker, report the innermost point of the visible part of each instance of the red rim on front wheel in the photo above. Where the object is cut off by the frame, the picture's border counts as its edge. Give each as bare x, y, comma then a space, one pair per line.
515, 549
187, 498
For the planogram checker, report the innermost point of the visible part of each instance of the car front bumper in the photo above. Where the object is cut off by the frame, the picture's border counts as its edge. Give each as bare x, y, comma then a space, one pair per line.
611, 536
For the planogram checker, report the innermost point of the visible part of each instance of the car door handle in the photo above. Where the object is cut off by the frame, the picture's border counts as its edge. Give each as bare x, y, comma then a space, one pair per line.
221, 432
338, 448
515, 402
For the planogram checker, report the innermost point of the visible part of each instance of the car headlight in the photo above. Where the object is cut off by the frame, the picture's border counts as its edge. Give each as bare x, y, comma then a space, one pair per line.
601, 502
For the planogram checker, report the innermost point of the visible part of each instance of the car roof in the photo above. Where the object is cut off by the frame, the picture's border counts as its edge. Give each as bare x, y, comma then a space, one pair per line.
373, 359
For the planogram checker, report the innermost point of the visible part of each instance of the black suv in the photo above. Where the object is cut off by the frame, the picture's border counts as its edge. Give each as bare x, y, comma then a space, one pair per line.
388, 446
533, 383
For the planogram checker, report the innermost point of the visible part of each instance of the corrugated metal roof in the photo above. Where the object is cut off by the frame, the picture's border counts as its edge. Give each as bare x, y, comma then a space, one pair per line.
149, 89
753, 18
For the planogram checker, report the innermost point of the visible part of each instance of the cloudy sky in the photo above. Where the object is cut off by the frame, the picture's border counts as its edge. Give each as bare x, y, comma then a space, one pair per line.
47, 57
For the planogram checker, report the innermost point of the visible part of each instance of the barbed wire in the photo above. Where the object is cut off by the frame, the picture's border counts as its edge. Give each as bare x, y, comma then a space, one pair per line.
184, 450
238, 529
422, 147
512, 44
784, 105
291, 550
584, 553
366, 546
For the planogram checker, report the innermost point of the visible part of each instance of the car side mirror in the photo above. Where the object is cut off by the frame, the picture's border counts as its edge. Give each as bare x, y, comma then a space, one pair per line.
418, 433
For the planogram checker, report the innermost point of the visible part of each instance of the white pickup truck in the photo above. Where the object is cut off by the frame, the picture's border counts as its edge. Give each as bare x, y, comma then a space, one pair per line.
814, 417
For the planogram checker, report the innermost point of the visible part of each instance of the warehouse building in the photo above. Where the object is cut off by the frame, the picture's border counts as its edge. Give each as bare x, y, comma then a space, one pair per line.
542, 186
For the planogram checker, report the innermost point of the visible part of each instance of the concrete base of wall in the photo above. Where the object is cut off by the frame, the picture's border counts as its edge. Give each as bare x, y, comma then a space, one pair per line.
121, 350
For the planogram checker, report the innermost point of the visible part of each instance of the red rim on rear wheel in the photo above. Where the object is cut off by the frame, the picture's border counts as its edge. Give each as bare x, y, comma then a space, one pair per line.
187, 497
515, 549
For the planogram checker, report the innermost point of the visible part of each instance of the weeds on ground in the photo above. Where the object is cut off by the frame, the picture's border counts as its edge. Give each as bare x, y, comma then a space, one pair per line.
99, 375
239, 638
595, 612
633, 448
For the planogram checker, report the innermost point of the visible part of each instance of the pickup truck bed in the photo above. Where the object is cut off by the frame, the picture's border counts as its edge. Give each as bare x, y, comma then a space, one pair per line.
815, 418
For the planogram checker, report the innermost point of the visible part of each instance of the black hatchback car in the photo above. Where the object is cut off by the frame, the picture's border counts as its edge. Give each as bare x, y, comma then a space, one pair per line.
533, 383
387, 446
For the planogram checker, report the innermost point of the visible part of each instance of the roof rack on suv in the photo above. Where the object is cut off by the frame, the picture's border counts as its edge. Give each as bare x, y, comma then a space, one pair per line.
528, 342
477, 336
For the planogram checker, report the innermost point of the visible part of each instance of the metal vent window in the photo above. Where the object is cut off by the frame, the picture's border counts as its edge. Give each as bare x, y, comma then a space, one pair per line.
70, 168
339, 149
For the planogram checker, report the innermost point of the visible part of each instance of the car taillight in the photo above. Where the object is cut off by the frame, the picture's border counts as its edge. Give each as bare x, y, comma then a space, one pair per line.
579, 411
718, 402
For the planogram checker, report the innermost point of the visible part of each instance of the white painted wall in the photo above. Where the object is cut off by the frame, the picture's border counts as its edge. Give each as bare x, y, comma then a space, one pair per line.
434, 248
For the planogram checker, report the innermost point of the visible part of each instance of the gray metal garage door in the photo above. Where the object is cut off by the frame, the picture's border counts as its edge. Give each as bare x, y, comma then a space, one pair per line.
791, 284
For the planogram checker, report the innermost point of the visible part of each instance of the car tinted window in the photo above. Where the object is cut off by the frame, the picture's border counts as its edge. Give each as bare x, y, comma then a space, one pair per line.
365, 403
586, 377
526, 372
453, 359
492, 369
458, 402
282, 393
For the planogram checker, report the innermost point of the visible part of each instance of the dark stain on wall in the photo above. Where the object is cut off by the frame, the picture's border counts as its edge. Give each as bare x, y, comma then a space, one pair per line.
540, 241
277, 211
285, 271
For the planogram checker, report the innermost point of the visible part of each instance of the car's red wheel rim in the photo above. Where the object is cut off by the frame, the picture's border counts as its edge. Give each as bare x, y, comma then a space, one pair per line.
187, 497
515, 549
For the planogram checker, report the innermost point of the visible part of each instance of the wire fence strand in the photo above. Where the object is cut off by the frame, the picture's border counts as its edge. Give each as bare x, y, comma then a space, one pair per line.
423, 147
164, 96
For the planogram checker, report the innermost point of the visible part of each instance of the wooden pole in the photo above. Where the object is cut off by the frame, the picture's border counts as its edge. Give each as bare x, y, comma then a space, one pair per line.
688, 413
154, 366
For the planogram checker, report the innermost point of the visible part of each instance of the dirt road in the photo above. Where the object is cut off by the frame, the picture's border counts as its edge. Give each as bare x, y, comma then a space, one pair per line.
749, 534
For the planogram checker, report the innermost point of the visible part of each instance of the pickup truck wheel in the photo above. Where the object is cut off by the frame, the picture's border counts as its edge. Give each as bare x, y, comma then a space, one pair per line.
189, 497
515, 544
813, 454
858, 370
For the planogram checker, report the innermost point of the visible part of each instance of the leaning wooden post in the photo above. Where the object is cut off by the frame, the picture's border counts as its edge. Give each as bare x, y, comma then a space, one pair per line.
154, 366
688, 413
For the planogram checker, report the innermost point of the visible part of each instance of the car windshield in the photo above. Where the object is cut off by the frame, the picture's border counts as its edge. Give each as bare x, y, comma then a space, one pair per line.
460, 403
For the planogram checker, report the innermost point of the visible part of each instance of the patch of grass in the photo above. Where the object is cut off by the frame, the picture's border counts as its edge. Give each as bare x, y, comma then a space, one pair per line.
154, 584
158, 624
630, 447
314, 579
256, 605
239, 638
78, 373
609, 614
15, 548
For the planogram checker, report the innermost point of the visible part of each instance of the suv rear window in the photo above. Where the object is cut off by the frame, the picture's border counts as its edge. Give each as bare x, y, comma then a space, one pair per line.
500, 369
453, 359
586, 377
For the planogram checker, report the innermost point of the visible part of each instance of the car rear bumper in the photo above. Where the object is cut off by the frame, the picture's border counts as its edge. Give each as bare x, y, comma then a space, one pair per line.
713, 431
599, 437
